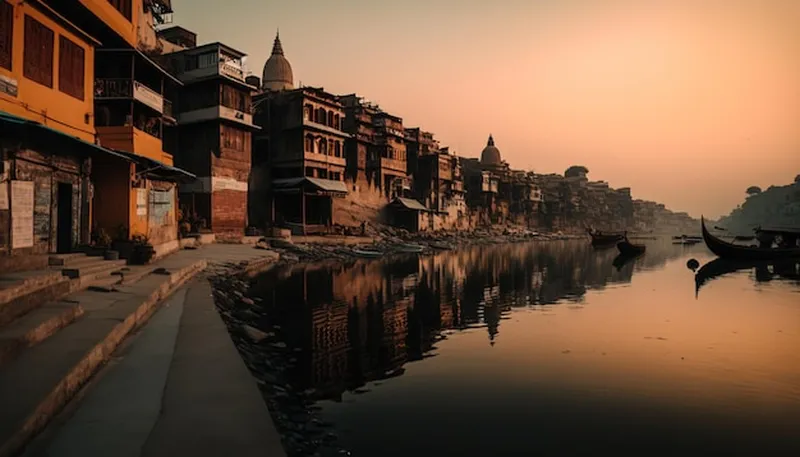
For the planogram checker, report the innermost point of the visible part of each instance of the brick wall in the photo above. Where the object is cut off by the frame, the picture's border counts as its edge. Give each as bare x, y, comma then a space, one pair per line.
229, 211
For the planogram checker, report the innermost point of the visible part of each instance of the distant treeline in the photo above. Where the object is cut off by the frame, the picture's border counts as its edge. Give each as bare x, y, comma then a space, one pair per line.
776, 206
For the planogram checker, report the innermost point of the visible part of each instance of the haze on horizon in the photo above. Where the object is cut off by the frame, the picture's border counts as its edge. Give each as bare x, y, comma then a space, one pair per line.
686, 102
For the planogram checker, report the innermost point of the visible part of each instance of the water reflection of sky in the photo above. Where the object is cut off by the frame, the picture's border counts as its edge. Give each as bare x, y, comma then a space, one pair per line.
547, 350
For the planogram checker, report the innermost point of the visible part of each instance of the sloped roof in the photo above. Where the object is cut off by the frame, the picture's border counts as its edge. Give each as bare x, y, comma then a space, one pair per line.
327, 185
410, 203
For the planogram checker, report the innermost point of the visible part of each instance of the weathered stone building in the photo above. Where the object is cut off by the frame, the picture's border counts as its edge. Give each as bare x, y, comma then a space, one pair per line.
213, 138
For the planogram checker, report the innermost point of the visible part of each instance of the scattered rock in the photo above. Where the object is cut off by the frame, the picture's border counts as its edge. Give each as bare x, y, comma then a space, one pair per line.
254, 334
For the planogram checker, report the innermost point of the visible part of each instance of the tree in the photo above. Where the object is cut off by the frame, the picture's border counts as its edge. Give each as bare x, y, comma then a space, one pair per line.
753, 190
797, 179
575, 171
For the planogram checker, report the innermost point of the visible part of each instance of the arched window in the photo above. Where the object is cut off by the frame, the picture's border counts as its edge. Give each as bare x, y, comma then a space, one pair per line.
309, 146
337, 149
323, 146
330, 118
322, 116
308, 113
337, 122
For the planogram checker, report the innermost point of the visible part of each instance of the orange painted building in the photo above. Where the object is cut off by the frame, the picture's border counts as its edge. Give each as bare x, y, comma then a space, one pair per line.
133, 114
47, 134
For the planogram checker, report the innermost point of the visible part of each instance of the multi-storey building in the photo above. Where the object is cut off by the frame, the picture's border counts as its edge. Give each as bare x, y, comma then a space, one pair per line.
418, 143
215, 124
47, 134
378, 146
299, 156
133, 98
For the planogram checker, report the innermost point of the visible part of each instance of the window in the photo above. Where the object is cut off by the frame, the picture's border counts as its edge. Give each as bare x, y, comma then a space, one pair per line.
307, 116
233, 138
124, 7
6, 34
337, 149
70, 68
233, 98
323, 146
38, 53
207, 60
330, 118
309, 143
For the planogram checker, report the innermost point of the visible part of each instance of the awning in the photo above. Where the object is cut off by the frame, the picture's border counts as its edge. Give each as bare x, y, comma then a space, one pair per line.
317, 184
8, 120
154, 168
409, 203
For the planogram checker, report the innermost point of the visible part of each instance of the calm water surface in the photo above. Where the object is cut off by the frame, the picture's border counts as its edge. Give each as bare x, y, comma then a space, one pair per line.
547, 349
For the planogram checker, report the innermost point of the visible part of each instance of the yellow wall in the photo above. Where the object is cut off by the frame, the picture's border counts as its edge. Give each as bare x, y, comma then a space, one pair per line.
43, 104
126, 29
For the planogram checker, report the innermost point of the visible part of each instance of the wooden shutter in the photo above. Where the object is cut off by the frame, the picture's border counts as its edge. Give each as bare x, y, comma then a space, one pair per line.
71, 59
38, 53
6, 34
123, 6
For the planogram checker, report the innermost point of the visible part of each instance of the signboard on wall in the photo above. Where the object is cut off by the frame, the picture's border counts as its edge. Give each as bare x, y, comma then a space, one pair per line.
21, 214
141, 202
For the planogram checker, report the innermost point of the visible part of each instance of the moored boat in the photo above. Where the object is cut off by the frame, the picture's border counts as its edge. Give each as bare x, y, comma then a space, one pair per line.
600, 239
410, 248
737, 252
368, 253
627, 248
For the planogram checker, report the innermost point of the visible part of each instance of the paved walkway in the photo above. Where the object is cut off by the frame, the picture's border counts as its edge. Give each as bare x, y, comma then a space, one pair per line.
178, 387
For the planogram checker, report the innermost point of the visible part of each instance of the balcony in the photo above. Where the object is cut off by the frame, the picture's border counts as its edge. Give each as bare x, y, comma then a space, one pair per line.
323, 127
322, 158
224, 69
125, 89
216, 113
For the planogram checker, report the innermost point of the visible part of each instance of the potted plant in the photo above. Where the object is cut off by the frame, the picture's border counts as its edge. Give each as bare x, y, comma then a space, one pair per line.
143, 251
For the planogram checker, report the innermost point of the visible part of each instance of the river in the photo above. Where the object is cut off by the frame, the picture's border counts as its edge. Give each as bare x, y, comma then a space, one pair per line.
545, 349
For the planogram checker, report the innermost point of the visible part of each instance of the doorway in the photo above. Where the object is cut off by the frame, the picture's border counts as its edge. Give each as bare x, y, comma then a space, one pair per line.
64, 218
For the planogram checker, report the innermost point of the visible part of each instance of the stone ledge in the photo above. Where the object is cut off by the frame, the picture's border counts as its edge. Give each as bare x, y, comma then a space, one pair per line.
77, 375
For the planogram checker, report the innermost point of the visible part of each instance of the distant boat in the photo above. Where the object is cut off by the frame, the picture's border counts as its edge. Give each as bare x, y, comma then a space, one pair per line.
627, 248
600, 239
369, 253
410, 248
736, 252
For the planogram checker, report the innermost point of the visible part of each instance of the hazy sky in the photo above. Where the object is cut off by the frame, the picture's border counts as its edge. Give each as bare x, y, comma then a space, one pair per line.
688, 102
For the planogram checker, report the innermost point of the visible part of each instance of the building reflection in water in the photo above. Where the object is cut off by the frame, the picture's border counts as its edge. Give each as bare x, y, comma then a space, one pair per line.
357, 323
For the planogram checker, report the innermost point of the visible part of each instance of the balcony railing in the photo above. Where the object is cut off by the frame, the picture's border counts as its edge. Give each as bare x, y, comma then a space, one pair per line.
111, 88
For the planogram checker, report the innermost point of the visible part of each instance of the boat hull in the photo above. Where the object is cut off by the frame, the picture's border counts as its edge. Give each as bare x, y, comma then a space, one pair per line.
627, 248
731, 251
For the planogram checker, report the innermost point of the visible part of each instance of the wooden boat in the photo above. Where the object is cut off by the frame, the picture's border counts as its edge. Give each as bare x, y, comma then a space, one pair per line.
627, 248
736, 252
368, 253
410, 248
600, 239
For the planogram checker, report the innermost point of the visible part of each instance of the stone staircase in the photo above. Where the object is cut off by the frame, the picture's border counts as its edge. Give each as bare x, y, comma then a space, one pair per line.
33, 305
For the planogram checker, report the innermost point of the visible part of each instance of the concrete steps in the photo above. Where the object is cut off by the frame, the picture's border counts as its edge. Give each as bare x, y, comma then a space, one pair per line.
35, 327
52, 352
92, 266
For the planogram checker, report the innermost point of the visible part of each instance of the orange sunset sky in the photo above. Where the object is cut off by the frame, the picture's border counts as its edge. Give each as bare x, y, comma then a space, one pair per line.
688, 102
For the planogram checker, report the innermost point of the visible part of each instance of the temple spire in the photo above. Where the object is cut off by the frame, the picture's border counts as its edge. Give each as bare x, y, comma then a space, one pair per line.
277, 48
491, 141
